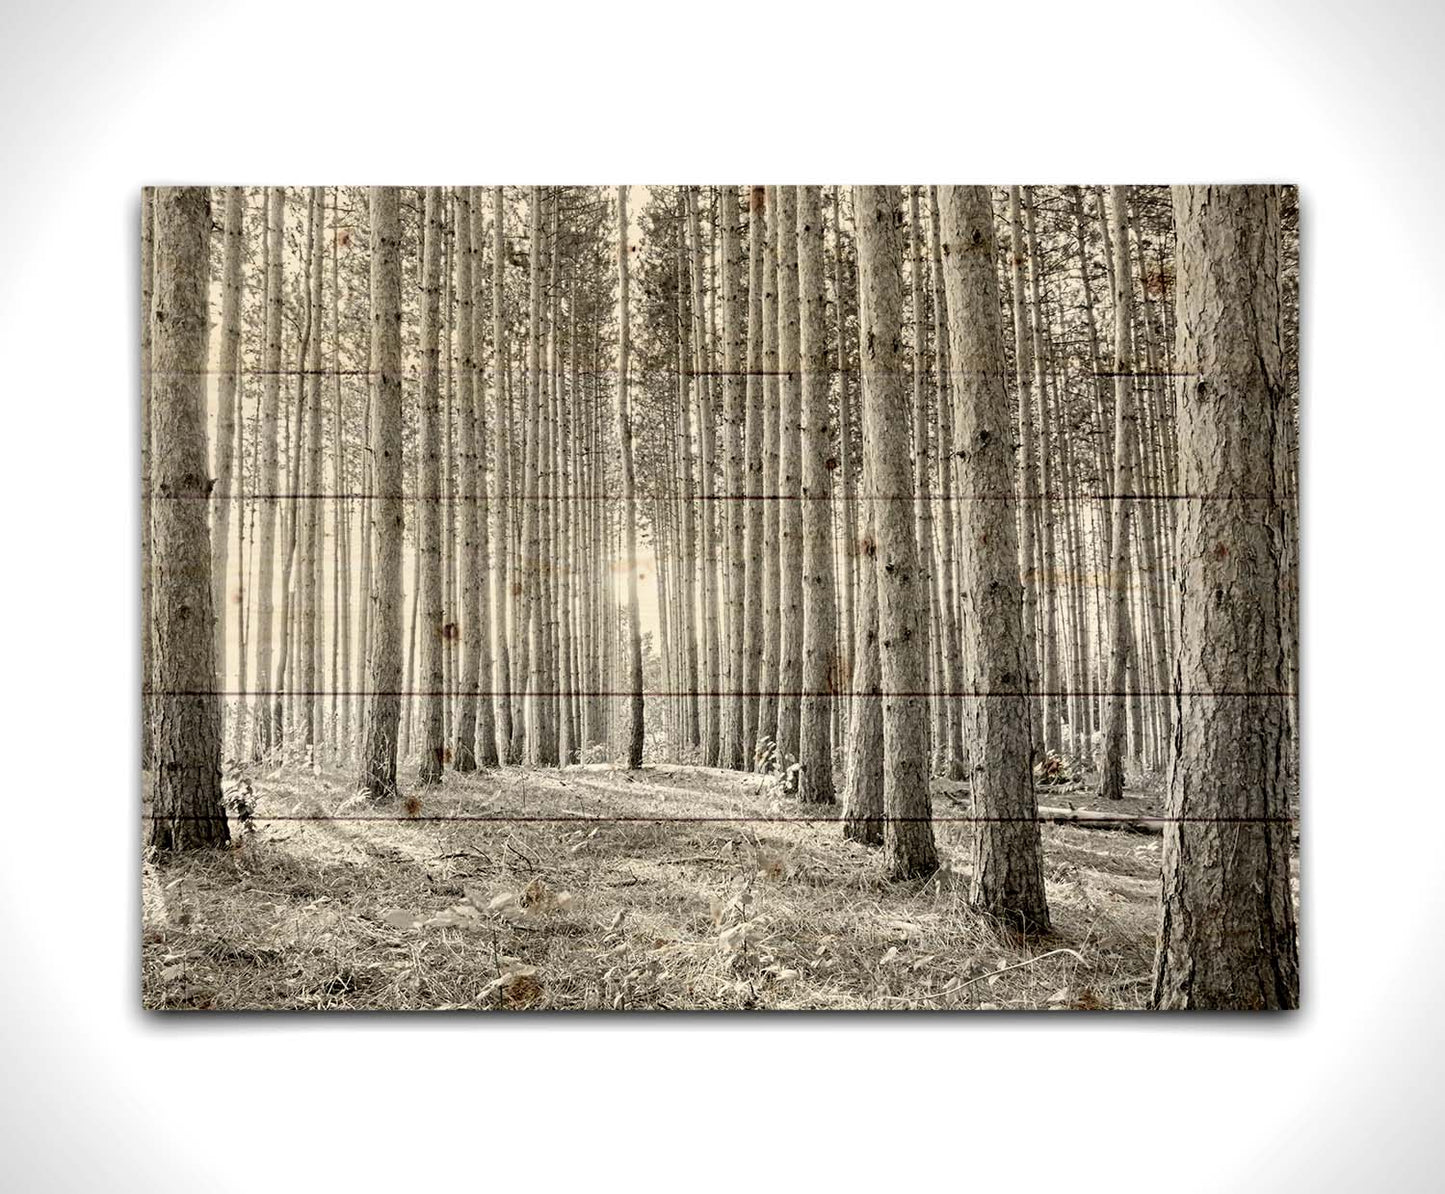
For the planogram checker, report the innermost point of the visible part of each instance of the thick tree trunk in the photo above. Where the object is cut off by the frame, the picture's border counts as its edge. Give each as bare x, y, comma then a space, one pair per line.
147, 486
186, 810
1008, 877
902, 597
1227, 935
820, 650
383, 710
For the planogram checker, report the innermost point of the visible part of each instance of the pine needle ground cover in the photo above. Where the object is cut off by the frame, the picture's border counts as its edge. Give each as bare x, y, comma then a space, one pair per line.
671, 887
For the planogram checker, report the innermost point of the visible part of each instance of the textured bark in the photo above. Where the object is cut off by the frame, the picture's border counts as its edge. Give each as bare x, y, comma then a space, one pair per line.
753, 452
734, 750
147, 483
430, 675
267, 668
502, 594
820, 653
902, 597
230, 371
480, 568
766, 743
383, 710
1227, 935
1111, 770
186, 810
948, 630
790, 488
469, 517
1048, 586
313, 486
923, 505
1008, 877
1028, 473
863, 784
634, 723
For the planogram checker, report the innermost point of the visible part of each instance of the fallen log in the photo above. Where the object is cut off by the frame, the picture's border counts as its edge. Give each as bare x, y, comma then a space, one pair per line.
1084, 818
1088, 819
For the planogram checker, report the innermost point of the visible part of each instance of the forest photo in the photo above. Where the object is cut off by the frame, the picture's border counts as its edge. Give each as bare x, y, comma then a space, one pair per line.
720, 597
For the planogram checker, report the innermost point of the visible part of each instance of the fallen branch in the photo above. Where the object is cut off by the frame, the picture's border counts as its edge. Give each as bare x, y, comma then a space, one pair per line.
1089, 819
978, 978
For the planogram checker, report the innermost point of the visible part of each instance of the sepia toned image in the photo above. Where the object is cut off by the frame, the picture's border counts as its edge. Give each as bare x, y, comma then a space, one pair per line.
720, 597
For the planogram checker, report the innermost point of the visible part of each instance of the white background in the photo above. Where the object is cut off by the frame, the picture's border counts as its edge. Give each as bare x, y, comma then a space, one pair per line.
99, 98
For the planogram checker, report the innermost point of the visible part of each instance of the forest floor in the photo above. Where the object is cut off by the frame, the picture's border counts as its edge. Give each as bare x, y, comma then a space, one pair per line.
672, 887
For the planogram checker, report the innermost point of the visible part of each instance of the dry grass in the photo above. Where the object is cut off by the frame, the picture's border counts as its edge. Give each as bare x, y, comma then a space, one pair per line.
563, 890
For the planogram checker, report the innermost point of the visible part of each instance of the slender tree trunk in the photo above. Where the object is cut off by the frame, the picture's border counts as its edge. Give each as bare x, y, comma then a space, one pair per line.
268, 667
902, 596
502, 595
1008, 879
820, 631
464, 753
1227, 935
766, 746
1028, 475
430, 629
309, 544
230, 370
629, 498
734, 753
186, 810
790, 489
753, 675
951, 642
1111, 772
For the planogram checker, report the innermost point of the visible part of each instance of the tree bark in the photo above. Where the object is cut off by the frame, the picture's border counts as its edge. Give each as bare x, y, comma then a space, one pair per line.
902, 598
1111, 771
1008, 877
186, 811
820, 650
383, 710
635, 724
430, 674
1227, 935
230, 371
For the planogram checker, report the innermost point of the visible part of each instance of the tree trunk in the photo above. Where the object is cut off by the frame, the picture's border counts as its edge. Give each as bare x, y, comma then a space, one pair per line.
383, 710
766, 746
230, 370
1111, 771
902, 597
629, 498
186, 810
790, 487
1008, 877
267, 668
147, 487
430, 675
820, 650
753, 615
1227, 934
